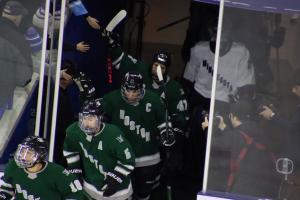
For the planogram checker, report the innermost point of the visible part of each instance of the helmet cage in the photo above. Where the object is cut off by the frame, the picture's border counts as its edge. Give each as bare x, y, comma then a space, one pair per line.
83, 118
26, 156
139, 97
133, 81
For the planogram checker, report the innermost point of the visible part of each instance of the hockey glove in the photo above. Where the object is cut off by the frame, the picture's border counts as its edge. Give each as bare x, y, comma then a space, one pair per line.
178, 132
179, 137
112, 38
113, 181
174, 162
4, 196
85, 86
167, 137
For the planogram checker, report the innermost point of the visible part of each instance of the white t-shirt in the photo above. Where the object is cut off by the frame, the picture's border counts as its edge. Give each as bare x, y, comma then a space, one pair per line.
234, 70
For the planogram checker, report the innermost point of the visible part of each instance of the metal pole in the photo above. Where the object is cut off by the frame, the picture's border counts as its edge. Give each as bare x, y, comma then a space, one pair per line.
213, 94
49, 74
141, 24
42, 70
57, 79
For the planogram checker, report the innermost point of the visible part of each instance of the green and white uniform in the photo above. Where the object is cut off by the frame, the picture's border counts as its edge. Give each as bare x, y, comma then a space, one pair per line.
178, 107
106, 151
141, 124
52, 182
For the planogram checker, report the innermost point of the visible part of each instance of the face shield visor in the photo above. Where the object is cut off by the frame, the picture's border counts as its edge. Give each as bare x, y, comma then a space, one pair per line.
25, 156
90, 124
132, 97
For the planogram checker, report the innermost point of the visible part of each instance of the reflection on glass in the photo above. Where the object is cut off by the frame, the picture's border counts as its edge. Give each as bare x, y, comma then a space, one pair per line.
20, 47
256, 125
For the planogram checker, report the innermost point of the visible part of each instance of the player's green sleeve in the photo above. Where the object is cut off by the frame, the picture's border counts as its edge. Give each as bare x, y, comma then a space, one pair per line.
70, 187
121, 60
124, 154
7, 189
178, 108
70, 149
125, 62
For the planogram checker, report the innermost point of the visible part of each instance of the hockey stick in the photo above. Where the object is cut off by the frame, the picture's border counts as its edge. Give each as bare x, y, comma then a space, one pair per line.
116, 20
108, 29
161, 80
173, 23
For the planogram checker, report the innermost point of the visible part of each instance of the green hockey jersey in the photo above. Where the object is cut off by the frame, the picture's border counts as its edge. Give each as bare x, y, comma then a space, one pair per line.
140, 124
106, 151
52, 182
178, 107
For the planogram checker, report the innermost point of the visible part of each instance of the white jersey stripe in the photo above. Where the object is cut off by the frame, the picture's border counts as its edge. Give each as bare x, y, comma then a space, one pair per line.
129, 167
118, 59
147, 160
73, 159
121, 170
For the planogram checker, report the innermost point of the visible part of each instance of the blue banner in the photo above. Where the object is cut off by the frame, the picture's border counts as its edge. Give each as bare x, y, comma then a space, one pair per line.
277, 6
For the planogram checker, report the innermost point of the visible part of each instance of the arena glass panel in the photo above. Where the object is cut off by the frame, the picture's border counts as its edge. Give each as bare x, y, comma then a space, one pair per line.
255, 123
21, 52
59, 15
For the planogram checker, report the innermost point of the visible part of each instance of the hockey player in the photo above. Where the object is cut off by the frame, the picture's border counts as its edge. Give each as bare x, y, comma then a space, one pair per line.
141, 115
178, 107
99, 154
30, 176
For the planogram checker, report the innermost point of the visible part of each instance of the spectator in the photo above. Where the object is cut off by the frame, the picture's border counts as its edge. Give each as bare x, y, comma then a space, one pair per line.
252, 165
290, 128
77, 8
15, 54
65, 114
35, 41
258, 29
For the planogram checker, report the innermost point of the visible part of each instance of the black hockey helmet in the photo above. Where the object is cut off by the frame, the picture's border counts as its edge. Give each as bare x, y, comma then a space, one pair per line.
85, 86
90, 116
162, 57
32, 150
133, 82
